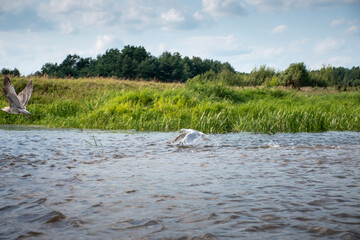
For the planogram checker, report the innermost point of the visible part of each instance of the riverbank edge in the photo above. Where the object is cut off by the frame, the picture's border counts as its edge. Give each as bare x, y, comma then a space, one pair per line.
113, 104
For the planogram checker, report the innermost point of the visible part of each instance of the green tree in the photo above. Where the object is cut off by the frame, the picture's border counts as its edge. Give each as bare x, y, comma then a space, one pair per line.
109, 64
138, 54
135, 62
198, 67
261, 75
170, 67
147, 69
5, 71
133, 57
49, 69
354, 76
129, 67
84, 66
15, 72
295, 76
177, 73
224, 66
68, 67
322, 77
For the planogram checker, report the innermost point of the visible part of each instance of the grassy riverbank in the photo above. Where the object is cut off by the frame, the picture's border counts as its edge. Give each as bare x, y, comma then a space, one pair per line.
212, 108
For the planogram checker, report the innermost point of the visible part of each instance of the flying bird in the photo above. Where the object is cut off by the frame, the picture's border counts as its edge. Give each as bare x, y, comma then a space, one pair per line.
188, 136
17, 102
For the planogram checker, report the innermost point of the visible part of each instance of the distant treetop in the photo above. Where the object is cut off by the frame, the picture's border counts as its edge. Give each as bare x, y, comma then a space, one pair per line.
134, 63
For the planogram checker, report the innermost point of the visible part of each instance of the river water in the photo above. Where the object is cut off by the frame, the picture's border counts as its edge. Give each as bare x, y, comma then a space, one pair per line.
76, 184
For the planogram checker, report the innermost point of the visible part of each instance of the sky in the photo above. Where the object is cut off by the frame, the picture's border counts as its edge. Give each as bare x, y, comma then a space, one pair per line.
245, 33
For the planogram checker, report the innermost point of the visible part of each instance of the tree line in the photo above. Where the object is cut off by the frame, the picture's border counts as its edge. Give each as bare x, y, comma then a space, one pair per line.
136, 63
296, 76
15, 72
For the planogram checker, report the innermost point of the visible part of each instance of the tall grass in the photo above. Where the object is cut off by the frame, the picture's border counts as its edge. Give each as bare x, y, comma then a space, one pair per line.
206, 106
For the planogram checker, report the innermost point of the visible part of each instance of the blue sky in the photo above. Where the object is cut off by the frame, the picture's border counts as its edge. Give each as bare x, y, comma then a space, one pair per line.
245, 33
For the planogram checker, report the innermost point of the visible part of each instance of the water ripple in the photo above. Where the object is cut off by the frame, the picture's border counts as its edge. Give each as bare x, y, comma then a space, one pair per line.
132, 185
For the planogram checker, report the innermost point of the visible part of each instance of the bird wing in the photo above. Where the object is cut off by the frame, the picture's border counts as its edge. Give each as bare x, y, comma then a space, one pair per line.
10, 94
180, 137
191, 137
25, 94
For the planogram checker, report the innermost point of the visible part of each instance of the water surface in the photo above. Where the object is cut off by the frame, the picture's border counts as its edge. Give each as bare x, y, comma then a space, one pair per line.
76, 184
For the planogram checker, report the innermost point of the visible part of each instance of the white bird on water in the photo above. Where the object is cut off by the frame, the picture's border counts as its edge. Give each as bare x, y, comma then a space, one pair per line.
17, 102
188, 136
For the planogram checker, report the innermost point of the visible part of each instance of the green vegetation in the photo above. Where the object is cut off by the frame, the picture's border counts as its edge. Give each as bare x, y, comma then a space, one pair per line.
295, 76
204, 103
136, 63
133, 63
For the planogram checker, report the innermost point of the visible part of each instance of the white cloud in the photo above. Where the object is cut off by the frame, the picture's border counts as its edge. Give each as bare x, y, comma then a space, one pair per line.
99, 24
72, 6
328, 44
70, 16
273, 52
210, 46
275, 5
221, 8
102, 42
97, 18
352, 29
198, 15
176, 19
283, 5
351, 25
140, 15
63, 6
279, 29
172, 18
337, 22
30, 55
258, 55
18, 5
67, 27
297, 45
172, 15
137, 18
263, 53
340, 61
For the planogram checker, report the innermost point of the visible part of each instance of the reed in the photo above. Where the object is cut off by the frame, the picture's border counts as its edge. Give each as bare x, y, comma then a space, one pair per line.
210, 107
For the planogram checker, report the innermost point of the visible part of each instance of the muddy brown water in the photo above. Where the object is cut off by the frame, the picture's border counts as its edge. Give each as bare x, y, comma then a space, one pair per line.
76, 184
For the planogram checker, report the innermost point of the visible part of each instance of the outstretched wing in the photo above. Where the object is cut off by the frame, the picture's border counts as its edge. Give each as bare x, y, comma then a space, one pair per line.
192, 137
10, 94
180, 137
25, 94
